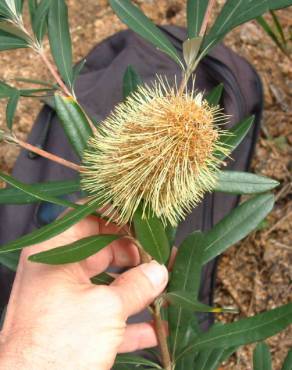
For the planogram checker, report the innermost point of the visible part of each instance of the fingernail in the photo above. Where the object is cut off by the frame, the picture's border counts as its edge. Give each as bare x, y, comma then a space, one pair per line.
156, 273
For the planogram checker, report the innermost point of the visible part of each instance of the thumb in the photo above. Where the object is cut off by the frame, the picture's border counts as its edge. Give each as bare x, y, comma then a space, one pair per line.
138, 287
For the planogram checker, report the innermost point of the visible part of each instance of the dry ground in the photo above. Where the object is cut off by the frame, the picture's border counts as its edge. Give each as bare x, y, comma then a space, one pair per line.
256, 274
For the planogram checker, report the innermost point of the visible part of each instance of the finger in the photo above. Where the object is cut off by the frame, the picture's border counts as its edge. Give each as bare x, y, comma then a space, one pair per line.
120, 253
138, 287
138, 336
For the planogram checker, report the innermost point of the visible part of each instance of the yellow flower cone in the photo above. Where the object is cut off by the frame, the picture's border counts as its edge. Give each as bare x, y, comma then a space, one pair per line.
158, 146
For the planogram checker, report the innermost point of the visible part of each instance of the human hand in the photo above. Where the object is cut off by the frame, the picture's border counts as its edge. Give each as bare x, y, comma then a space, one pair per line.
56, 319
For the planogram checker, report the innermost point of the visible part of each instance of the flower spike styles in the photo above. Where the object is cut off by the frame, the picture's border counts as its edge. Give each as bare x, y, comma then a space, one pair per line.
156, 148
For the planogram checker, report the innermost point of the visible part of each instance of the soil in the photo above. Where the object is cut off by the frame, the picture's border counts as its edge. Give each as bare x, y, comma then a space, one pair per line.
256, 274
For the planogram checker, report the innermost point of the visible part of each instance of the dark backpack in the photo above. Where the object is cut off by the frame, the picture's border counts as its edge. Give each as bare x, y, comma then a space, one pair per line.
99, 89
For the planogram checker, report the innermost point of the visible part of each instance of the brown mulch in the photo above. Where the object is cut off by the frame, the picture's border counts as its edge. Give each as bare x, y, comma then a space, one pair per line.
256, 274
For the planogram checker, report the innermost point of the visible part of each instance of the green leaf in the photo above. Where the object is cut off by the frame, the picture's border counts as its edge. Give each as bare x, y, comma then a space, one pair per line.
53, 188
74, 252
102, 279
278, 27
196, 10
236, 225
74, 121
135, 360
262, 359
51, 230
288, 362
10, 260
35, 92
185, 276
32, 6
60, 40
11, 9
236, 135
170, 233
9, 41
151, 234
214, 96
131, 81
243, 183
35, 82
227, 353
40, 18
134, 18
18, 6
77, 70
245, 331
208, 359
33, 192
188, 302
11, 108
6, 91
236, 12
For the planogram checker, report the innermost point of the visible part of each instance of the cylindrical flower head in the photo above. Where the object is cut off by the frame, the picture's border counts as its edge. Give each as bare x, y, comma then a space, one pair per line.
158, 147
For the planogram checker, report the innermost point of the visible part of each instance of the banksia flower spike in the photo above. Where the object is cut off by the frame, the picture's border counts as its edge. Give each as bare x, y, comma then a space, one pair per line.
158, 147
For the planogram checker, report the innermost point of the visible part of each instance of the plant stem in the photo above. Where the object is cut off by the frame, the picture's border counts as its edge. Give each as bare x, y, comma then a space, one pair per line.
161, 337
54, 72
186, 74
43, 153
207, 17
158, 322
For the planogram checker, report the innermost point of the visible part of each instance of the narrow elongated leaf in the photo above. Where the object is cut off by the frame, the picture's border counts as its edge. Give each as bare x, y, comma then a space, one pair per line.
262, 359
151, 235
269, 31
77, 69
214, 96
196, 10
10, 260
32, 6
188, 302
11, 108
135, 360
18, 6
236, 12
185, 276
51, 230
102, 279
236, 225
6, 91
134, 18
208, 359
60, 40
74, 121
244, 331
236, 135
131, 81
54, 188
278, 27
4, 10
74, 252
288, 362
33, 192
234, 182
39, 23
9, 41
228, 352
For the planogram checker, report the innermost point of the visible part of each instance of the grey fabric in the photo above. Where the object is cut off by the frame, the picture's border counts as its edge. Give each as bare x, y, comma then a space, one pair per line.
99, 89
